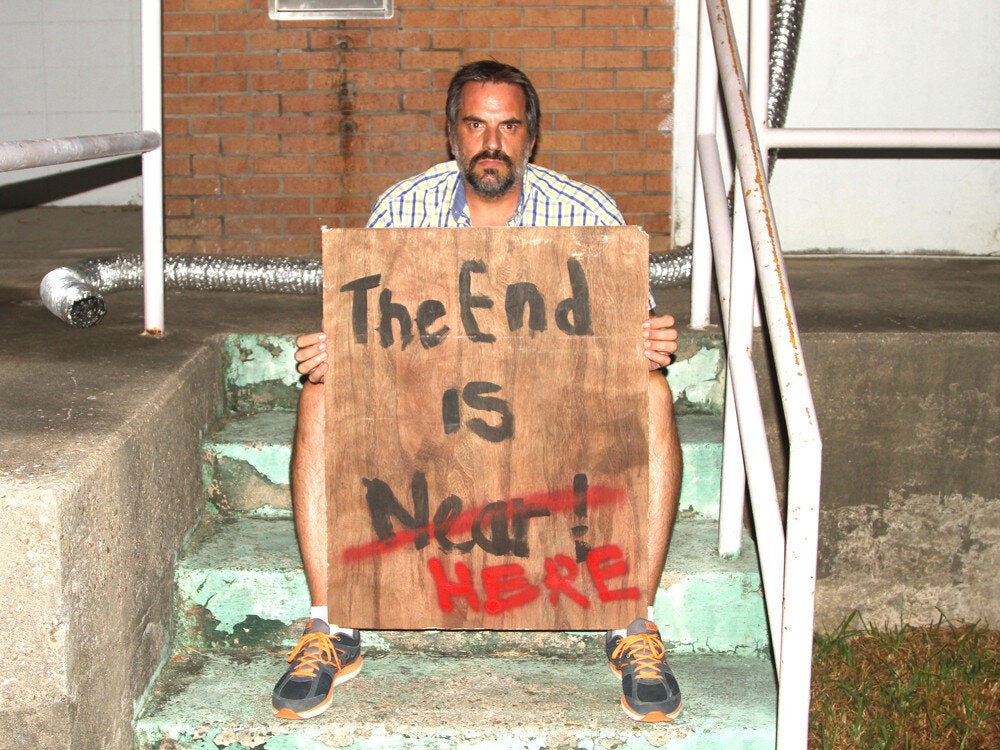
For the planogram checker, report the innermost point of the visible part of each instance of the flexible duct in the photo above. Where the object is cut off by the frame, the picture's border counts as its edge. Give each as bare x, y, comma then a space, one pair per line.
74, 293
786, 28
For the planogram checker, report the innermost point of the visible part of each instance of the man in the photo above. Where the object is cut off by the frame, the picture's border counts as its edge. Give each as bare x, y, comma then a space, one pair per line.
492, 127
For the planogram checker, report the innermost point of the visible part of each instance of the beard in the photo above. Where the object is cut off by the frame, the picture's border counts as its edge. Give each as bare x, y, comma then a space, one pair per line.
492, 182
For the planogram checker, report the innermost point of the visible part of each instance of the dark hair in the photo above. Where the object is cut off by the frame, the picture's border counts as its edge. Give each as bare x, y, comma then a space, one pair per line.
491, 71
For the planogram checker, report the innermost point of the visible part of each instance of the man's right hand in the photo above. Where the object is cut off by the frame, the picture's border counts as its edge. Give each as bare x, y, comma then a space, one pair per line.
311, 356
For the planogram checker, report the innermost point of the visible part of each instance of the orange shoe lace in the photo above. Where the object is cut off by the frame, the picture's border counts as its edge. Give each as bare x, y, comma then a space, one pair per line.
646, 650
314, 650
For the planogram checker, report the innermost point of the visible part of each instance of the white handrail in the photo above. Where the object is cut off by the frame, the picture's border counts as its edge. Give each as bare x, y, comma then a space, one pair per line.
748, 252
25, 154
789, 578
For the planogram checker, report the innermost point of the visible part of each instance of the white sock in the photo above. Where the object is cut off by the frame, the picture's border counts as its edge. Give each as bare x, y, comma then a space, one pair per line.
649, 613
323, 613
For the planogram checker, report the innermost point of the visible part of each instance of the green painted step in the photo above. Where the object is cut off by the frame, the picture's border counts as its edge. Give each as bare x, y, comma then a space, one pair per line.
221, 701
246, 463
242, 581
260, 373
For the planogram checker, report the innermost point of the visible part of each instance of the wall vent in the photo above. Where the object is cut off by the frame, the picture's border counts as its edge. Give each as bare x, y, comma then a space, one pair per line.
317, 10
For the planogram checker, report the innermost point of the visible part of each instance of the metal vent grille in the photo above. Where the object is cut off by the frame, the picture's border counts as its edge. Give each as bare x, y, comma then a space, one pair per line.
315, 10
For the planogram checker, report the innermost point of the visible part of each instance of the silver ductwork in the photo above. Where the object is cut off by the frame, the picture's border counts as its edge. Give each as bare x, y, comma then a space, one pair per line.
75, 294
786, 29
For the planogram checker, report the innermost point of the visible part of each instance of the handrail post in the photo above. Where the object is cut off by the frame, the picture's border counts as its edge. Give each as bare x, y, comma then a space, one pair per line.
152, 167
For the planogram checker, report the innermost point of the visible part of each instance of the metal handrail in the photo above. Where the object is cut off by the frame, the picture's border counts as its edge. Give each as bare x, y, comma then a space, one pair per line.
746, 251
748, 256
148, 141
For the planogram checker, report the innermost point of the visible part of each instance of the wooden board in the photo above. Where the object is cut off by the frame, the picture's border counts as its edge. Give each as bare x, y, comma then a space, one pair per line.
486, 469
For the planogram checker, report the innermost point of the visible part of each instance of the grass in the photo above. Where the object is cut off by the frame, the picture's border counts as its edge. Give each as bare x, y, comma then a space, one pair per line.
935, 686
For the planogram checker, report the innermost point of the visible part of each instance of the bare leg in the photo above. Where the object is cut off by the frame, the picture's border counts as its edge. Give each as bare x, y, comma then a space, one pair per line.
664, 475
308, 478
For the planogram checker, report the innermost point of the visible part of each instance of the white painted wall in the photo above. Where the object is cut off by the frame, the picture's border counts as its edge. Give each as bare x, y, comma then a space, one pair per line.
922, 63
70, 67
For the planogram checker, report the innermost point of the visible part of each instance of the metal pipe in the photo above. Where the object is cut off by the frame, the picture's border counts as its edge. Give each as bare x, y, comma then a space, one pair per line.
46, 152
915, 138
152, 167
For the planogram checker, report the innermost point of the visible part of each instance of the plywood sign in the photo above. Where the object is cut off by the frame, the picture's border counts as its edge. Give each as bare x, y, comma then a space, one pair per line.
486, 417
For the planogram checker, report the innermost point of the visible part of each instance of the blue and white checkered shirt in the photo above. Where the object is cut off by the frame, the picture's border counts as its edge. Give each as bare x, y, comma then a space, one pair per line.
436, 198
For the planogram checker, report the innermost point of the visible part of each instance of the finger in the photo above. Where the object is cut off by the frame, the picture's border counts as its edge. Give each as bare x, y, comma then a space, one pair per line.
309, 339
318, 373
307, 366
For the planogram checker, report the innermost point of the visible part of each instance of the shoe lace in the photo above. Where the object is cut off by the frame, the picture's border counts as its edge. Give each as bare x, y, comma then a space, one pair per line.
314, 650
645, 650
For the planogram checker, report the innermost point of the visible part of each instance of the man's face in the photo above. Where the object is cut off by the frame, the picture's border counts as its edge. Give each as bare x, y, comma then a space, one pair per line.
490, 140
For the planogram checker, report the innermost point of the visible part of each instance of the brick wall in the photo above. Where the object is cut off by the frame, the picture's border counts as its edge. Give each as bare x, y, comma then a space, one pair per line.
274, 130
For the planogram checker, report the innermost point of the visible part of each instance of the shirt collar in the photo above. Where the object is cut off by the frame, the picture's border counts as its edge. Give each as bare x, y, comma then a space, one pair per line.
460, 205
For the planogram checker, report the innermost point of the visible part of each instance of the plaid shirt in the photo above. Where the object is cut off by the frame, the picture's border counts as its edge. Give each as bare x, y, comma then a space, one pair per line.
436, 198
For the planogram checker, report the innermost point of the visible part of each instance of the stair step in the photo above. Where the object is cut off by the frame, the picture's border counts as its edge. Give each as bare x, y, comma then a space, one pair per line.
242, 581
260, 373
246, 466
222, 700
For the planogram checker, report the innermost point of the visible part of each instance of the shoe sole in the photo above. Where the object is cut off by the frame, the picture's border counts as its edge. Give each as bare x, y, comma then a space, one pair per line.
652, 716
349, 672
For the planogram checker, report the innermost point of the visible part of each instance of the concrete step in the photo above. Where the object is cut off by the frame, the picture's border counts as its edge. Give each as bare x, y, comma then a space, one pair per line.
246, 463
222, 700
242, 583
261, 376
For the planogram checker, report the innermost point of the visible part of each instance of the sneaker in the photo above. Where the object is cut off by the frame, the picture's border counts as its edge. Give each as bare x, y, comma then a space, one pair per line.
319, 662
649, 689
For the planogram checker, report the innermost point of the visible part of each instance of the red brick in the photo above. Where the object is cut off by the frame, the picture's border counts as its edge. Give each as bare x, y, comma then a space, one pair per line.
553, 17
284, 39
580, 162
492, 18
613, 141
245, 22
250, 144
309, 60
280, 205
177, 207
284, 124
280, 82
252, 186
280, 164
461, 38
257, 225
447, 59
217, 43
311, 144
219, 125
580, 37
177, 166
661, 17
216, 5
422, 18
216, 165
644, 79
313, 185
614, 59
249, 103
187, 23
195, 105
247, 63
401, 39
616, 100
221, 206
615, 18
191, 185
523, 38
305, 225
323, 102
218, 84
222, 247
190, 145
643, 37
190, 64
276, 247
554, 58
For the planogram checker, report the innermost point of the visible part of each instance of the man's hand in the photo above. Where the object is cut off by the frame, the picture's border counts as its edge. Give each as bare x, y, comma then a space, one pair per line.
660, 340
311, 356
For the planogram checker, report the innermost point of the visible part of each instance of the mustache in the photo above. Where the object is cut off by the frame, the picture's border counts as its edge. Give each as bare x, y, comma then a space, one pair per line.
493, 156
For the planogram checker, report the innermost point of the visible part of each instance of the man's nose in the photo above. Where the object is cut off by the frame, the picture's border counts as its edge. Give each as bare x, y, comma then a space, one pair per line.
491, 138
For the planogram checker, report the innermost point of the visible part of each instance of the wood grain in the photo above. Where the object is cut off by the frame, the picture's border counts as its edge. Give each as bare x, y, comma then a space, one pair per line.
457, 463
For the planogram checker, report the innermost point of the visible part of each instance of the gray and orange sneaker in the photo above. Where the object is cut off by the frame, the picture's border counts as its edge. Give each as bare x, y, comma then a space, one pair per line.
649, 689
319, 663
